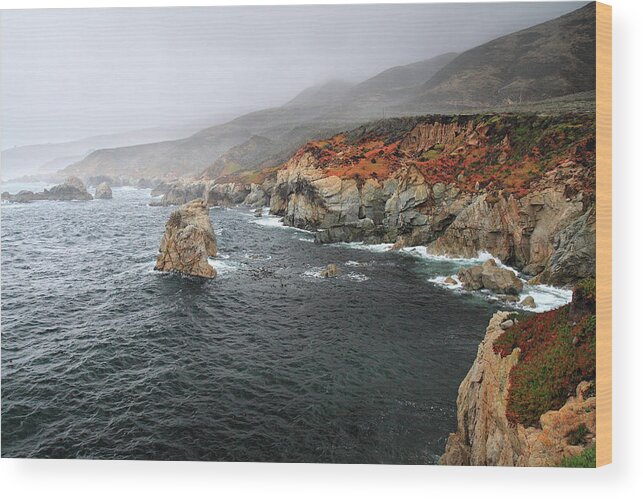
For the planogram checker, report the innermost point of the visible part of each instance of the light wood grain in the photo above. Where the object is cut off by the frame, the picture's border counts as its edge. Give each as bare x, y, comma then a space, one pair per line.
604, 233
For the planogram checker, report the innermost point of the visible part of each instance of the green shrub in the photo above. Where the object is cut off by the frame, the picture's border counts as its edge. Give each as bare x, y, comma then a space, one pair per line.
586, 459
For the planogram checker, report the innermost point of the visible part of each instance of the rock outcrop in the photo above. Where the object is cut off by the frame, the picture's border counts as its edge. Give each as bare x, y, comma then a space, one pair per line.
411, 187
103, 191
72, 189
485, 437
490, 276
188, 241
178, 193
226, 194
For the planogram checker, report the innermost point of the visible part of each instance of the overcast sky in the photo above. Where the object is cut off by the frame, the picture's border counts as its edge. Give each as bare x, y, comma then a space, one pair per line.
72, 73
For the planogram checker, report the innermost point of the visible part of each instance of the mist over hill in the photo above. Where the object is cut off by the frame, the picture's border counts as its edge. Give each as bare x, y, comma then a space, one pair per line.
533, 69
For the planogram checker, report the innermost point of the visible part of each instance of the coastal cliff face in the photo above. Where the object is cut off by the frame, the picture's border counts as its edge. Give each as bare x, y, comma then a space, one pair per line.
188, 241
513, 407
518, 187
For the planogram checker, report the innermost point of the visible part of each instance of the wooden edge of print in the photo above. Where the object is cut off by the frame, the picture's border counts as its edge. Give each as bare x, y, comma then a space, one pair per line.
604, 234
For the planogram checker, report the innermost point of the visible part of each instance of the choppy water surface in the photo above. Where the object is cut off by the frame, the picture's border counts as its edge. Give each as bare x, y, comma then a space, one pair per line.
104, 358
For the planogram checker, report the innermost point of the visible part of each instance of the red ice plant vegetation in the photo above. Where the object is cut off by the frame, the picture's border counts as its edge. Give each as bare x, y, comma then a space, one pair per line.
557, 351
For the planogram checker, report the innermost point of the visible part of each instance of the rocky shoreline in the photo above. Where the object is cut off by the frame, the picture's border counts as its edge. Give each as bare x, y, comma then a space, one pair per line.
407, 183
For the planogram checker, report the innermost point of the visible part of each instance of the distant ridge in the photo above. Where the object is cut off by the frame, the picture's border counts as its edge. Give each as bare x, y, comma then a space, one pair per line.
548, 60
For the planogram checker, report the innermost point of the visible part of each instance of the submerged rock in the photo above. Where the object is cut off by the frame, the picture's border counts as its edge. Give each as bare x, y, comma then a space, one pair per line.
258, 212
490, 276
103, 191
188, 242
331, 270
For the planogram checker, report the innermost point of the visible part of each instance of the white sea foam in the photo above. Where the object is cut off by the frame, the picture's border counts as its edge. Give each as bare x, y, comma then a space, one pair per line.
422, 252
546, 297
356, 276
314, 272
223, 265
441, 281
376, 248
353, 263
275, 221
268, 221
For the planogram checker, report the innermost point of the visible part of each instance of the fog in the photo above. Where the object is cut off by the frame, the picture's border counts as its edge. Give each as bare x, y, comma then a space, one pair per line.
72, 73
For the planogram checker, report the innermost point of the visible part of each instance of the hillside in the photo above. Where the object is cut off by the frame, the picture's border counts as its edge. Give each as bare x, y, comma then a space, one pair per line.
47, 158
523, 71
549, 60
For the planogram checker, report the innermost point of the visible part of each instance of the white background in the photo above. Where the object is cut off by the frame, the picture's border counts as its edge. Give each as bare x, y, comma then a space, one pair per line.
116, 479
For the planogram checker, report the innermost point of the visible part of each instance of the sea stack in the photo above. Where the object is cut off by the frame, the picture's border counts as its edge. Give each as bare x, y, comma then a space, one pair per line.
188, 242
103, 191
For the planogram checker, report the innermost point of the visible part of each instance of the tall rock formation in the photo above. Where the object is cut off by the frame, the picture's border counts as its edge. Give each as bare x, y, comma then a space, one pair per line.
188, 241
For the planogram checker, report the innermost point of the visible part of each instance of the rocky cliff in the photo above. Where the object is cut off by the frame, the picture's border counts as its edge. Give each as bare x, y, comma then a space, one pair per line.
528, 399
520, 187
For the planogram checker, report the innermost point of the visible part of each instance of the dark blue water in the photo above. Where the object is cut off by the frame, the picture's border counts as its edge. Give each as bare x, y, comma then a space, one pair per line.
104, 358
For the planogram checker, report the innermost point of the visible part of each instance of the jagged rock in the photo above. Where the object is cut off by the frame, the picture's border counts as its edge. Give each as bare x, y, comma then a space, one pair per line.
227, 194
180, 193
485, 437
490, 276
160, 189
257, 197
188, 242
331, 270
103, 191
450, 281
258, 212
528, 301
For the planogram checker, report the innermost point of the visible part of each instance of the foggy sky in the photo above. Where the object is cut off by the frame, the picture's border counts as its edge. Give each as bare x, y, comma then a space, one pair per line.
72, 73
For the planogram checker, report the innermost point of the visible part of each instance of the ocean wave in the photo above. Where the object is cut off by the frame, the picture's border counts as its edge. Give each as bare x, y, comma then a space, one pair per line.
315, 272
353, 263
546, 297
224, 266
375, 248
267, 220
422, 252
